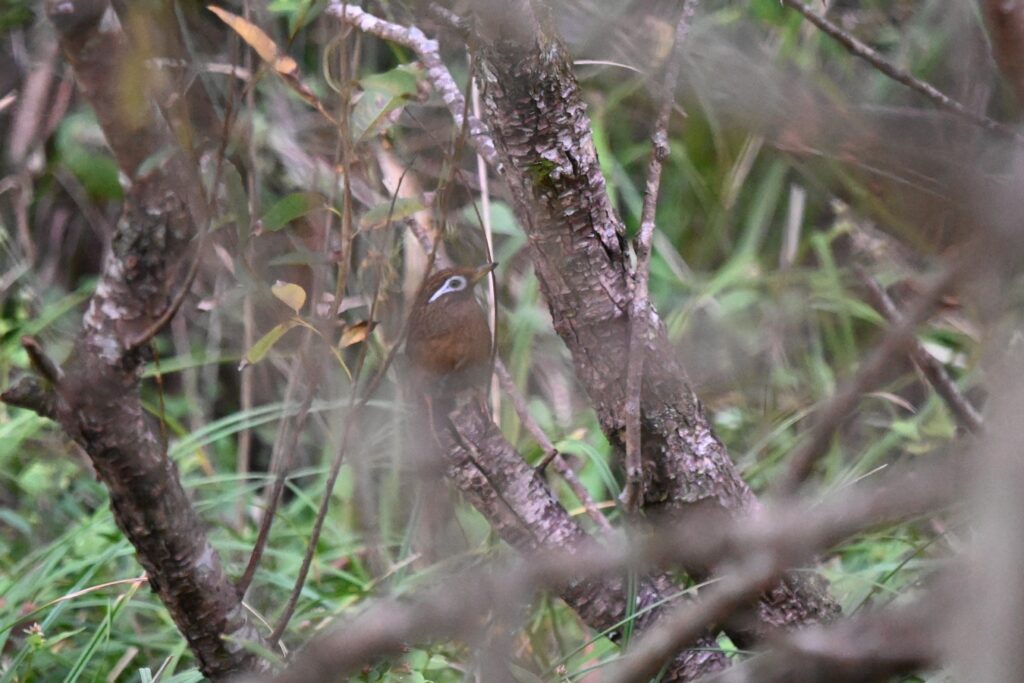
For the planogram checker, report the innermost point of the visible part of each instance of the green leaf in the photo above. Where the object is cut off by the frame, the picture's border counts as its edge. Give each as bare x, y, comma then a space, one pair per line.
388, 212
237, 199
382, 94
369, 114
289, 208
398, 82
302, 257
81, 148
262, 347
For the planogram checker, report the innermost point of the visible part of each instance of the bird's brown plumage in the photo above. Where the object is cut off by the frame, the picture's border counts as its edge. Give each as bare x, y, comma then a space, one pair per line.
449, 340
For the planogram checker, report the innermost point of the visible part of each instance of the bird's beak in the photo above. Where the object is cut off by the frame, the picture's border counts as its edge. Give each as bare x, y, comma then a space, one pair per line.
481, 272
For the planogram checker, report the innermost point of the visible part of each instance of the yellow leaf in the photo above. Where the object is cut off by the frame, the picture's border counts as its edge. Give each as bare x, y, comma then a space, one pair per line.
293, 296
258, 40
354, 334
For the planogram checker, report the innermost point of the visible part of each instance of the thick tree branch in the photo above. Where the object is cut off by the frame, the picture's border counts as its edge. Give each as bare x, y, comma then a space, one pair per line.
97, 400
522, 509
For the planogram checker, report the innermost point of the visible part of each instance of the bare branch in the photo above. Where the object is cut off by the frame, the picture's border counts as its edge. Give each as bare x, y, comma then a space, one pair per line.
874, 646
639, 305
830, 417
780, 540
866, 53
964, 412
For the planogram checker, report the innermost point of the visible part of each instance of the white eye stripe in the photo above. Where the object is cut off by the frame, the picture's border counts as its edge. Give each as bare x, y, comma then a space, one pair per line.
456, 283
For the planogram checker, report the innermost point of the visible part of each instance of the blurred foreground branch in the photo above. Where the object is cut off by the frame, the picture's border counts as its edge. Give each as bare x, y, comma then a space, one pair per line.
782, 538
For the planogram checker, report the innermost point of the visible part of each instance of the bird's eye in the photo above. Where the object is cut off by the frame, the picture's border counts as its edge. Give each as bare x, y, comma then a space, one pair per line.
456, 283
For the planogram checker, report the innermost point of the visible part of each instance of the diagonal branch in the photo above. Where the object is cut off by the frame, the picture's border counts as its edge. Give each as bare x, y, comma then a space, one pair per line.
830, 417
639, 305
866, 53
963, 410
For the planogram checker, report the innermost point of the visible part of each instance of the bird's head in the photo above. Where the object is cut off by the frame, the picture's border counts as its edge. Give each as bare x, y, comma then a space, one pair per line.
452, 285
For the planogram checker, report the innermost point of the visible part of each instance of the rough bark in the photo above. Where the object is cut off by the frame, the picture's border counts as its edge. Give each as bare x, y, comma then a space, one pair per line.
96, 398
521, 508
540, 127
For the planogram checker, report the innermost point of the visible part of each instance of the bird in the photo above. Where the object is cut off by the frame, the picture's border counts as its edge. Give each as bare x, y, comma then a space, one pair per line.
448, 345
447, 362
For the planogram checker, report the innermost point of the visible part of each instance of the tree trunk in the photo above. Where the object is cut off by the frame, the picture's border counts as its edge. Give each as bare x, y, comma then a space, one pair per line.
539, 124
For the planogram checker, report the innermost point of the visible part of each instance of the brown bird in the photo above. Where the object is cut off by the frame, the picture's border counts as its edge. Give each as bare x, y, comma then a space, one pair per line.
448, 349
449, 341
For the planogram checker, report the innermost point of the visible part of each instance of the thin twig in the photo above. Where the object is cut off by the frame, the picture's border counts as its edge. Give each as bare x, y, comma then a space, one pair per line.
243, 456
485, 209
245, 404
639, 309
866, 53
286, 441
833, 413
551, 454
963, 411
355, 406
347, 236
44, 366
280, 464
